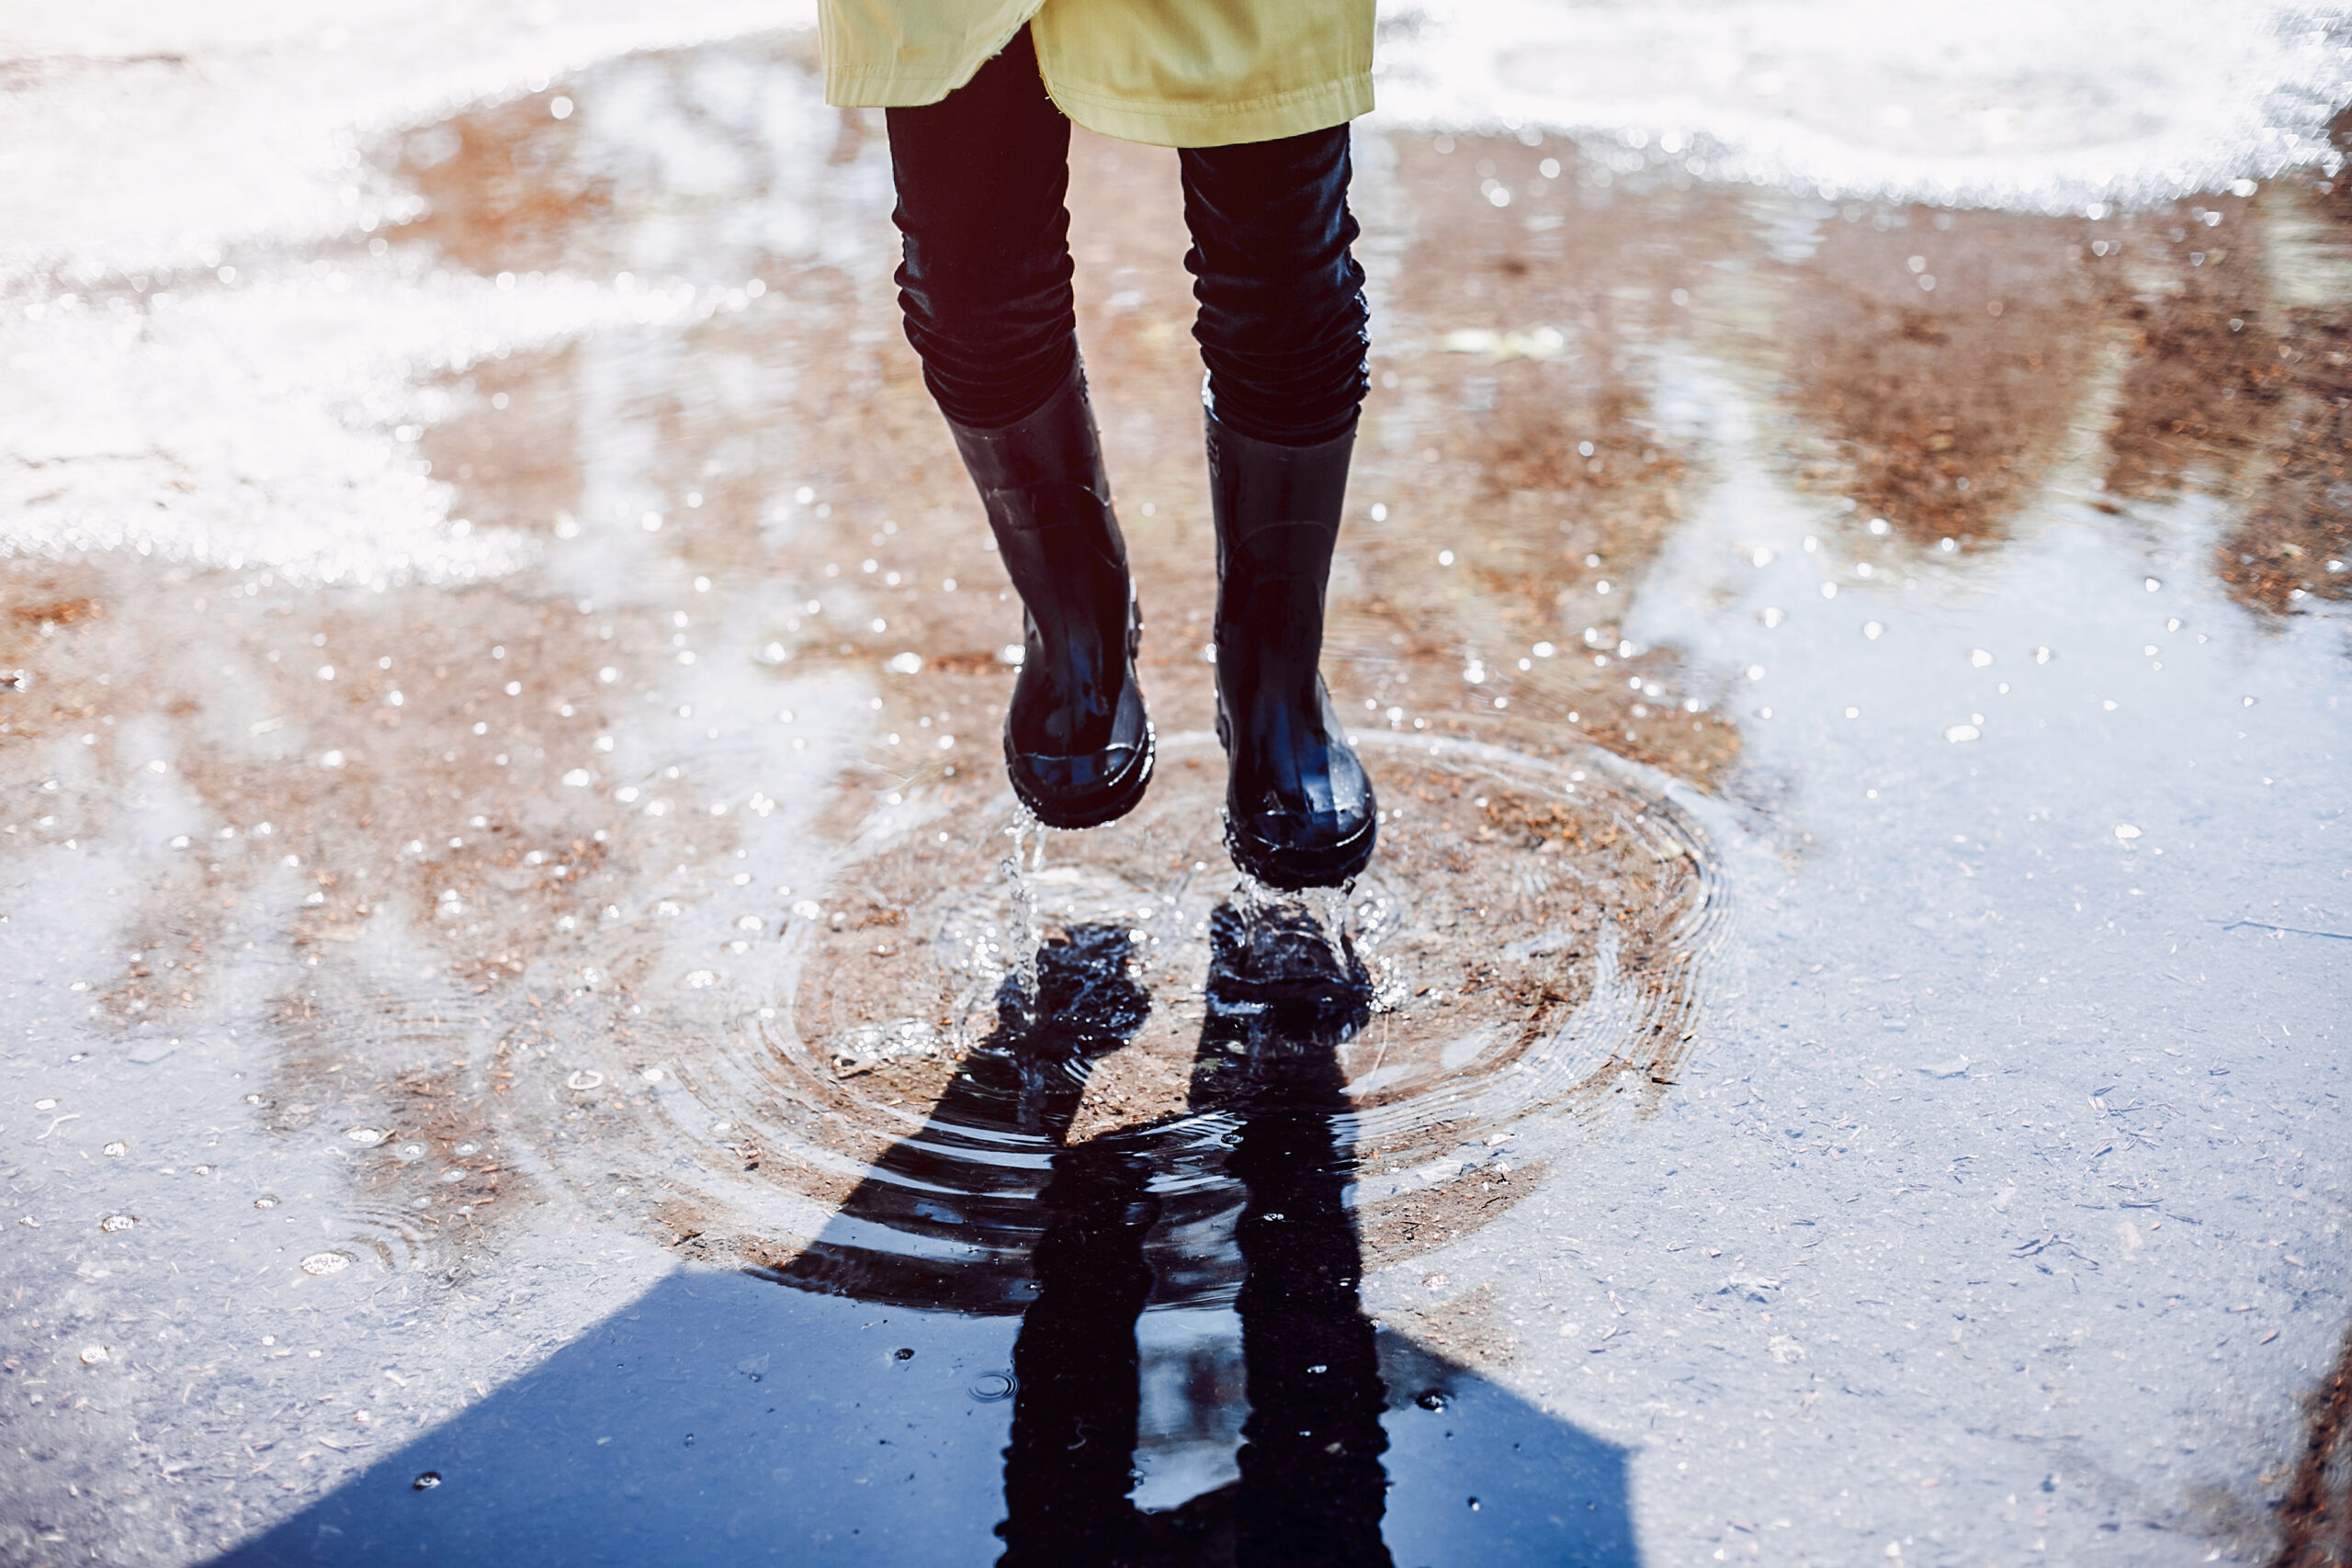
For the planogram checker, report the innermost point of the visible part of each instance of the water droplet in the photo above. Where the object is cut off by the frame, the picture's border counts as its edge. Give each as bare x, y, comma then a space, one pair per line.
366, 1137
904, 1353
95, 1355
326, 1263
116, 1150
113, 1222
991, 1387
2125, 832
266, 1201
585, 1078
412, 1150
1430, 1399
427, 1481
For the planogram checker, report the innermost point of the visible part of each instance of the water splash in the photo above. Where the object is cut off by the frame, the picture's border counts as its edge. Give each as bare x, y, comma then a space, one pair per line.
1021, 936
1326, 913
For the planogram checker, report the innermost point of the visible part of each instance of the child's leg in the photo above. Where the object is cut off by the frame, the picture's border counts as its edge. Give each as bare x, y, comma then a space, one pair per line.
985, 284
1282, 320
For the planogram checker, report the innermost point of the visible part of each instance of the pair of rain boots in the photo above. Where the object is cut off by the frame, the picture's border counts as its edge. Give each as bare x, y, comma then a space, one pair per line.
1299, 810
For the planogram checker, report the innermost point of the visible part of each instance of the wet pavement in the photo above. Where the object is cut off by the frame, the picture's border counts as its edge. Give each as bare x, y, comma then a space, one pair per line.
545, 1039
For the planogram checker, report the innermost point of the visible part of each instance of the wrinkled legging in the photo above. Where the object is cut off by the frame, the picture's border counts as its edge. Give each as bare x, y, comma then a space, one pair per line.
986, 280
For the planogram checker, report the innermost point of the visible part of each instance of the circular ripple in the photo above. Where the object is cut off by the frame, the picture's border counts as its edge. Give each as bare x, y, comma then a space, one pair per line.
981, 1007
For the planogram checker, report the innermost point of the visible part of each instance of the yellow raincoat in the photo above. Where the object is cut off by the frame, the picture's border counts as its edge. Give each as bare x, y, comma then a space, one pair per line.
1170, 73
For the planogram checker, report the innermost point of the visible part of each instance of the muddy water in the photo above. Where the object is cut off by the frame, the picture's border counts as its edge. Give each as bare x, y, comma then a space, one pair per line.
508, 863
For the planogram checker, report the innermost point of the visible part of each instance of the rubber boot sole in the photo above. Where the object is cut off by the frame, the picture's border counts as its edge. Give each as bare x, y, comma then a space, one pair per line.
1108, 803
1291, 869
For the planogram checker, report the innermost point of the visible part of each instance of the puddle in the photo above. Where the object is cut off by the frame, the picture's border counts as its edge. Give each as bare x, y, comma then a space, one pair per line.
1466, 1068
498, 712
706, 1418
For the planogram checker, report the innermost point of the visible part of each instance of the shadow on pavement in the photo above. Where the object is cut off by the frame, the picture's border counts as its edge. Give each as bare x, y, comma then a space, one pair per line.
835, 1423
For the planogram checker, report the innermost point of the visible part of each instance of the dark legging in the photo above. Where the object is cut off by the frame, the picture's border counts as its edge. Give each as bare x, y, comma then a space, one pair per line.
986, 282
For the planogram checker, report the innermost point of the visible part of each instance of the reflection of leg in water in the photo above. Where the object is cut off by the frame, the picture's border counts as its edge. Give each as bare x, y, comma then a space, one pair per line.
947, 1218
1312, 1485
1071, 1462
951, 1218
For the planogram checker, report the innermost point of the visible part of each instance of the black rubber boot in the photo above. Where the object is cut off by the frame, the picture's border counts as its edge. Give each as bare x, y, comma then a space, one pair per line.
1076, 741
1299, 806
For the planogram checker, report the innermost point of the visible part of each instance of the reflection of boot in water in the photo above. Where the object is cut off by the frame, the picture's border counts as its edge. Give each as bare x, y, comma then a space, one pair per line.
1032, 1072
1312, 1488
947, 1218
1072, 1462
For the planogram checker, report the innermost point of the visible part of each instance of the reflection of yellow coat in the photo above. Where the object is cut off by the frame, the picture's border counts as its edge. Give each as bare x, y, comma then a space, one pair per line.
1170, 73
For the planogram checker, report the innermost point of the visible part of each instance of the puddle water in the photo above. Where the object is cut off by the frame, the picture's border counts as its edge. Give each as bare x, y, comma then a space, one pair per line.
904, 1040
539, 1030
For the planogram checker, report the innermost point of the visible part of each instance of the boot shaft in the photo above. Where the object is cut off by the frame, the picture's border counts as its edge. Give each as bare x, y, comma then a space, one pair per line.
1048, 497
1277, 507
1277, 511
1048, 503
